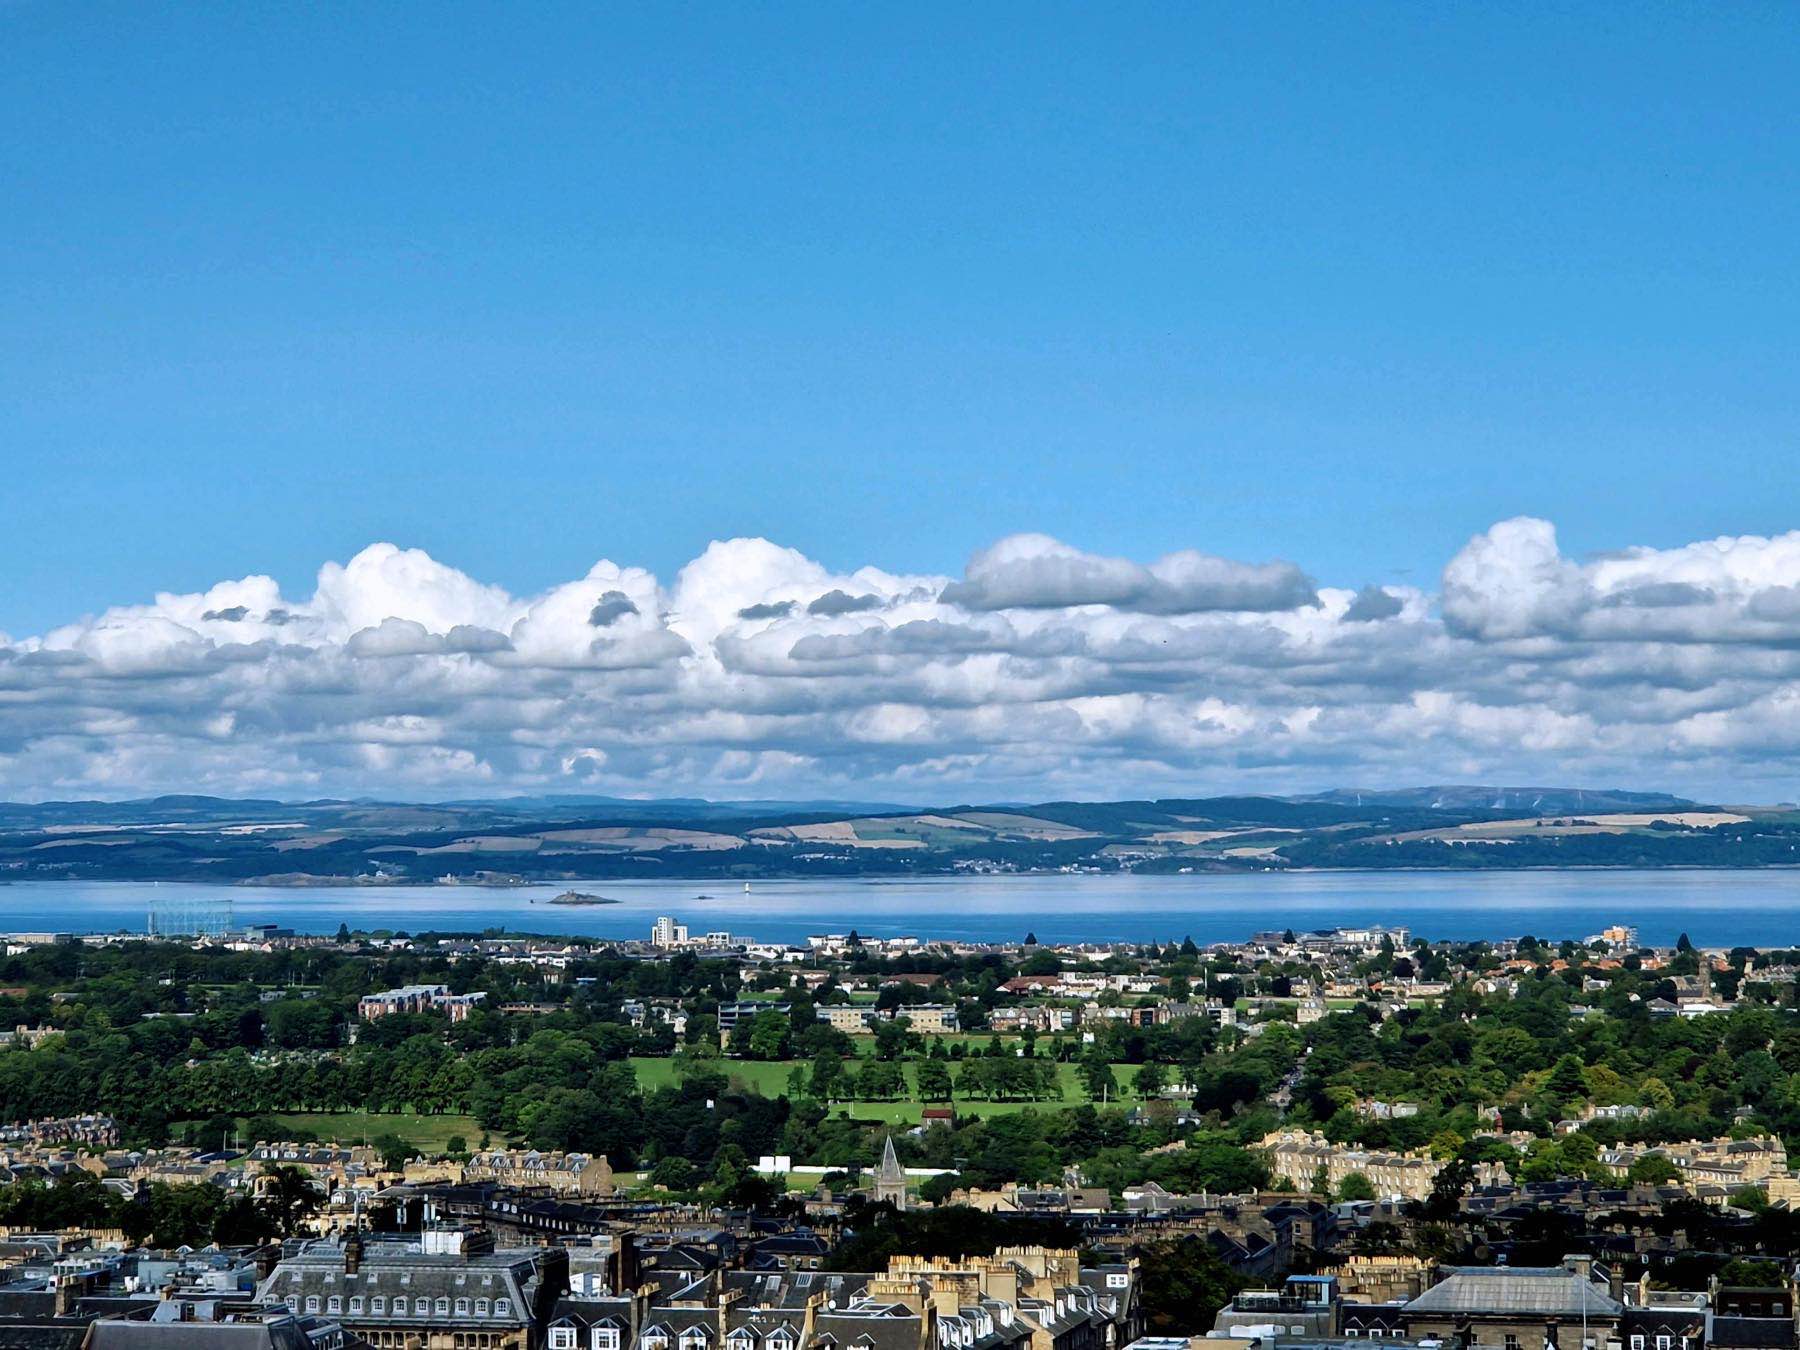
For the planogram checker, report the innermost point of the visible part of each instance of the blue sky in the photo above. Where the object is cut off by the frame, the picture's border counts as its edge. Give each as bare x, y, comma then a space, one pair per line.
1153, 399
530, 285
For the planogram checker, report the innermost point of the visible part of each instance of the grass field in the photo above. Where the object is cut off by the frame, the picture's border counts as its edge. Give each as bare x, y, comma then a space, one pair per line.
427, 1133
771, 1079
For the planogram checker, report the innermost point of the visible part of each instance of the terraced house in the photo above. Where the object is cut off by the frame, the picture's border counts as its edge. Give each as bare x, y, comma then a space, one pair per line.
1017, 1299
1300, 1156
583, 1174
1724, 1163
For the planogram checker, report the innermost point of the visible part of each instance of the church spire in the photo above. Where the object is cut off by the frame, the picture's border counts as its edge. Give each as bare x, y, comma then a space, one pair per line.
890, 1177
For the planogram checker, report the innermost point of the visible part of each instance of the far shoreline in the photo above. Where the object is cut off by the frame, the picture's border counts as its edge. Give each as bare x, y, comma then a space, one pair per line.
876, 878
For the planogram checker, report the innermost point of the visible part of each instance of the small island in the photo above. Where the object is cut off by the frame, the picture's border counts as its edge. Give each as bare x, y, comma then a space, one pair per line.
581, 898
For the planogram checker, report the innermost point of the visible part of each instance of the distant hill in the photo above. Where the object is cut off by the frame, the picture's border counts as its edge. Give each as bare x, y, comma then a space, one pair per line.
1512, 799
568, 839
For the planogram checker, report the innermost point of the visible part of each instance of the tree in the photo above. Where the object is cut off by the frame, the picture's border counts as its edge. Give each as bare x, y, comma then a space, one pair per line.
1448, 1188
1150, 1081
730, 1165
880, 1080
1746, 1273
288, 1196
1653, 1169
1097, 1078
1355, 1186
675, 1174
938, 1189
827, 1077
764, 1036
1445, 1145
1209, 1165
241, 1224
1566, 1078
893, 1039
1183, 1286
1750, 1198
934, 1080
394, 1151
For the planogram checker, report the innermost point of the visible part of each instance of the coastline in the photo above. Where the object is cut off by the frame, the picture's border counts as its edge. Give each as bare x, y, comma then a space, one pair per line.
308, 881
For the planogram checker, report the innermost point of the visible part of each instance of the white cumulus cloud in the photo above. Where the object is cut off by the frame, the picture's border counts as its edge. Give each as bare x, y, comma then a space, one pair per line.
1043, 670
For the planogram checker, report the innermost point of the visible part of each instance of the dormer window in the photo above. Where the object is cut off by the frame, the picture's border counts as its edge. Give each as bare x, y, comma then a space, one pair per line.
694, 1338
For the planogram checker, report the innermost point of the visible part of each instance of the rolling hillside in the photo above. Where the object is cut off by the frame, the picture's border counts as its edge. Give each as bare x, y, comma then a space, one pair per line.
547, 839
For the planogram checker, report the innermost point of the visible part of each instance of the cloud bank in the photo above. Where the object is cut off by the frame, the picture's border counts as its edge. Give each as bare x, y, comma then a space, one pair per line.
1043, 671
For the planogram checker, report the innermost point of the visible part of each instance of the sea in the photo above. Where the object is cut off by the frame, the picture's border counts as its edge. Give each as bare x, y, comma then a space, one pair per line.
1713, 907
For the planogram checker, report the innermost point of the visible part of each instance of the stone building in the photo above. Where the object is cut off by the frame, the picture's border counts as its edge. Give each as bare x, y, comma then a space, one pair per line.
1729, 1163
1022, 1298
582, 1174
1300, 1156
443, 1290
1517, 1308
890, 1177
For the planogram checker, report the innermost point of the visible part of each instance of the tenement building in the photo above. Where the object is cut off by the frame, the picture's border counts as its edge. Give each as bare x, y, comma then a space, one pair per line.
440, 1290
1300, 1157
1726, 1163
1022, 1298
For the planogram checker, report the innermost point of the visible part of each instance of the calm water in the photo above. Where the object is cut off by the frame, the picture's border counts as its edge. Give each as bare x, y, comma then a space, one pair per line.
1713, 907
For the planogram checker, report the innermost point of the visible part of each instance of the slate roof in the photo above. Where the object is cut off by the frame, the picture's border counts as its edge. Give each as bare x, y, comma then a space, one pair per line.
282, 1333
403, 1275
1753, 1333
1537, 1291
781, 1289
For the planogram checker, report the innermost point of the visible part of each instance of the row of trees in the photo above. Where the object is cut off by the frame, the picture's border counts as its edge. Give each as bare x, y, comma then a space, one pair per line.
163, 1215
